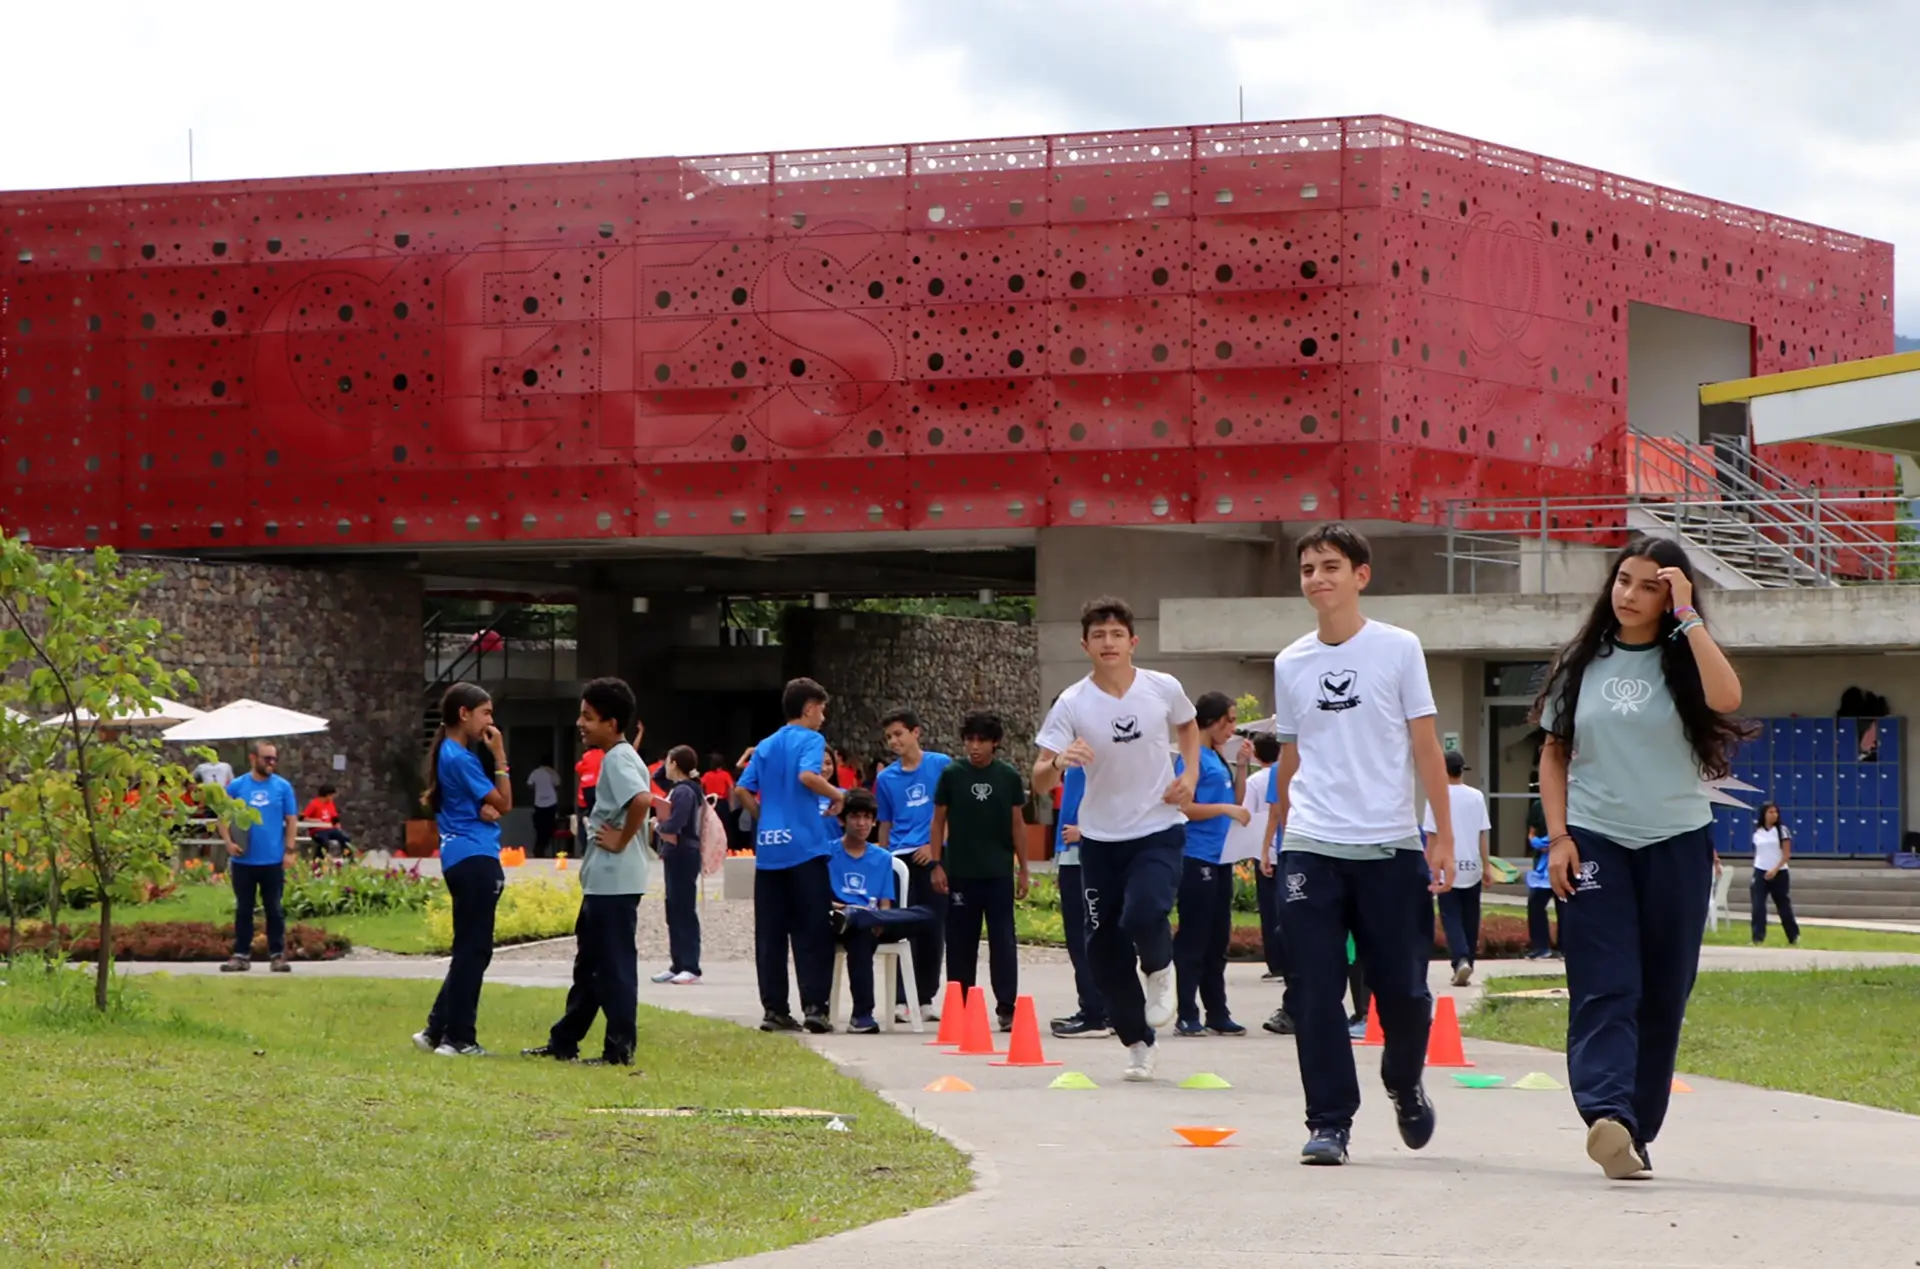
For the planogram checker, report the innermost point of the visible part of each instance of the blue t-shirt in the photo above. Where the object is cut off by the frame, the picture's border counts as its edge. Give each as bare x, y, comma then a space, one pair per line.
1537, 878
273, 799
862, 882
1073, 787
906, 800
1207, 839
463, 786
791, 829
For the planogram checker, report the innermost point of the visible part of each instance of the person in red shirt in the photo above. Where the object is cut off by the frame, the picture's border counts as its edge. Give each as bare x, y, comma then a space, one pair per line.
587, 773
323, 810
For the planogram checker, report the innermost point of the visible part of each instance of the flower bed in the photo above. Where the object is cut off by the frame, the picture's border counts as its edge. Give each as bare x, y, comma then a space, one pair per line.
180, 941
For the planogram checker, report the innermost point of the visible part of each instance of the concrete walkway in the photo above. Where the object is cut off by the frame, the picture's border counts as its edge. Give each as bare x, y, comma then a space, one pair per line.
1747, 1179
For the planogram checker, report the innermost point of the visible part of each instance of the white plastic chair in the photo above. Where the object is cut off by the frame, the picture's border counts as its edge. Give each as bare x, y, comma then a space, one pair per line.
888, 959
1717, 909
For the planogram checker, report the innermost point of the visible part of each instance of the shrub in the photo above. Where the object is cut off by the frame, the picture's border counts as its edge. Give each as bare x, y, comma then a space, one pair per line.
181, 941
529, 910
339, 888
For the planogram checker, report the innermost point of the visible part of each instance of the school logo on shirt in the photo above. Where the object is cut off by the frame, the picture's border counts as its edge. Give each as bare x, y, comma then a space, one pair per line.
916, 795
854, 882
1339, 689
1206, 872
1296, 886
1126, 730
1589, 876
981, 792
1627, 696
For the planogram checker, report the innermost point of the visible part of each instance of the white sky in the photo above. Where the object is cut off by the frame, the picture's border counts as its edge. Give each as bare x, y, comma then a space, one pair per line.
1744, 100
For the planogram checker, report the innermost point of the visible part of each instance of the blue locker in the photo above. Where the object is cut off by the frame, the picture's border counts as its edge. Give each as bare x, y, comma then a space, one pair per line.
1889, 837
1853, 831
1847, 786
1823, 833
1780, 741
1822, 732
1890, 738
1886, 784
1802, 742
1822, 781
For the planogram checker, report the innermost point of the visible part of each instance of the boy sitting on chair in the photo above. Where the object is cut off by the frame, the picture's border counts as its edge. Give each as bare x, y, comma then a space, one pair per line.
864, 915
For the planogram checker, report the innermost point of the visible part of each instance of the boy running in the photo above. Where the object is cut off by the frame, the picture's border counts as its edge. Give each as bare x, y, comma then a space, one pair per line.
977, 825
1116, 723
1355, 715
903, 793
790, 800
1206, 882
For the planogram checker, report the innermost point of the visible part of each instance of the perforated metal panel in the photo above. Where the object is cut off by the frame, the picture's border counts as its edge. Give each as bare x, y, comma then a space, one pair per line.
1290, 320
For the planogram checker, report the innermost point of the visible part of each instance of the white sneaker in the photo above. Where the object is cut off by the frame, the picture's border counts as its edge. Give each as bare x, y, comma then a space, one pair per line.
685, 978
1141, 1059
664, 976
1160, 998
928, 1013
423, 1044
465, 1050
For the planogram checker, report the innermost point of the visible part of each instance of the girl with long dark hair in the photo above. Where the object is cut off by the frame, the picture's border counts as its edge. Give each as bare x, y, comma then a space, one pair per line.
468, 796
1772, 848
1638, 714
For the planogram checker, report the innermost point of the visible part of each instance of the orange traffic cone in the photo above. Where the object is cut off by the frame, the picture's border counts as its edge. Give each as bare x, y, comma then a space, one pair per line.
953, 1015
1024, 1049
976, 1035
560, 862
1375, 1036
1443, 1042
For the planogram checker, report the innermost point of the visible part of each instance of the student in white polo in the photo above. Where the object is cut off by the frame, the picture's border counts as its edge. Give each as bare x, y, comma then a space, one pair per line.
1460, 906
1116, 723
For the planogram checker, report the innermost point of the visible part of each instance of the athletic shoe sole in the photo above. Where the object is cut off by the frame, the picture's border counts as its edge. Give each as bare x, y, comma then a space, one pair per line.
1610, 1145
1463, 975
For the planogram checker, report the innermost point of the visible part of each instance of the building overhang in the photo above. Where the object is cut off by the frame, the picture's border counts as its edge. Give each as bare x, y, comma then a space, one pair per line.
1855, 619
1871, 404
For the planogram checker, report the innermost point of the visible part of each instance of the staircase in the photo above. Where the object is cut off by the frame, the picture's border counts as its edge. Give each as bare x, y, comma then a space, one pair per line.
462, 664
1747, 524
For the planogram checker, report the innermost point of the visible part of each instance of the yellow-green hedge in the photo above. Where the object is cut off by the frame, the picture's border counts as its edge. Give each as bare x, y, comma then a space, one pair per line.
529, 910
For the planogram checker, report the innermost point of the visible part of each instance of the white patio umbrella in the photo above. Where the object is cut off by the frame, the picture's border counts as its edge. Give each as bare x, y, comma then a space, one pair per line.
246, 720
165, 713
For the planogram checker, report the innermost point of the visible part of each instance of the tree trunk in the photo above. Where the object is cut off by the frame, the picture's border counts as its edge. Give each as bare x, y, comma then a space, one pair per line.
104, 971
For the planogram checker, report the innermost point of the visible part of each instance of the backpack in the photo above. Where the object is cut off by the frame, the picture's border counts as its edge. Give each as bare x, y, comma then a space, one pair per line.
713, 836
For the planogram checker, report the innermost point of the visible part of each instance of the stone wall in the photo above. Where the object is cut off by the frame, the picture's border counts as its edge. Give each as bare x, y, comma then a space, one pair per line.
942, 668
341, 644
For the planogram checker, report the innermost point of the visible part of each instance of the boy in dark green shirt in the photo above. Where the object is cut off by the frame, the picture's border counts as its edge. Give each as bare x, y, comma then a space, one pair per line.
978, 820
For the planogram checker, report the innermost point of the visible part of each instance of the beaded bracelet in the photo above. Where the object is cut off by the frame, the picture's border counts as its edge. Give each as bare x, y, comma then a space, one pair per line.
1686, 611
1689, 625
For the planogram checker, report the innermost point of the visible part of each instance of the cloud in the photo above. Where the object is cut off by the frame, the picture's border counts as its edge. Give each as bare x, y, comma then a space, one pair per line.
1804, 111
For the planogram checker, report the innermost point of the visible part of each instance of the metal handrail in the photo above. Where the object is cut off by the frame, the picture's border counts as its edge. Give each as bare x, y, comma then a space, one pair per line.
1489, 531
1818, 536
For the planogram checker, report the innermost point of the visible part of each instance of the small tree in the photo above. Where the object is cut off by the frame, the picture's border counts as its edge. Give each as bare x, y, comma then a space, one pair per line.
1248, 709
100, 799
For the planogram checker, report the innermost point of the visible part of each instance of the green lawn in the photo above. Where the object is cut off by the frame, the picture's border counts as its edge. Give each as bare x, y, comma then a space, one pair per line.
197, 901
290, 1121
1043, 926
1818, 938
1847, 1034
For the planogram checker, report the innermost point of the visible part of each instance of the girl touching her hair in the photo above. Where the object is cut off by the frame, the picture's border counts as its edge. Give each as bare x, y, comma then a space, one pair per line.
1638, 713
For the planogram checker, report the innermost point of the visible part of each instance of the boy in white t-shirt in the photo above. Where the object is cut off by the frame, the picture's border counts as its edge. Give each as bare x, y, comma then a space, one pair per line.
1117, 723
1355, 715
1460, 906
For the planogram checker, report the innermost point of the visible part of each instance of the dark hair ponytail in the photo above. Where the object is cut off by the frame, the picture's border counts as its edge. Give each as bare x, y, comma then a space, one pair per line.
458, 698
1712, 735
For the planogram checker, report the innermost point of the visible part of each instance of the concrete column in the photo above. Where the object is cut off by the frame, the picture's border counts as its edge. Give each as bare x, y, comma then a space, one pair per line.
1144, 566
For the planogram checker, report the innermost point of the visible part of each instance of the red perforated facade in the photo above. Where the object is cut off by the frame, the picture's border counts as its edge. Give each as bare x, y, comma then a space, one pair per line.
1277, 321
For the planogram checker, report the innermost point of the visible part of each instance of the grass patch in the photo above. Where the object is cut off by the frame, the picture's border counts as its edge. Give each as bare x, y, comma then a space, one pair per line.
397, 931
228, 1122
1818, 938
1845, 1033
1043, 925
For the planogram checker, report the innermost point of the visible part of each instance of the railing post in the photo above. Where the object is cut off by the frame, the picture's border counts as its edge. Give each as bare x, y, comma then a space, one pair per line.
1543, 546
1450, 507
1819, 548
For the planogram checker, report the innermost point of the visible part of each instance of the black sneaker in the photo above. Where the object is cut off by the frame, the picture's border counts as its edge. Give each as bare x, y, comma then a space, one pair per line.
1327, 1148
771, 1021
838, 920
816, 1022
1225, 1026
1414, 1114
610, 1059
1646, 1160
1077, 1027
1006, 1022
548, 1051
1280, 1024
1271, 977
